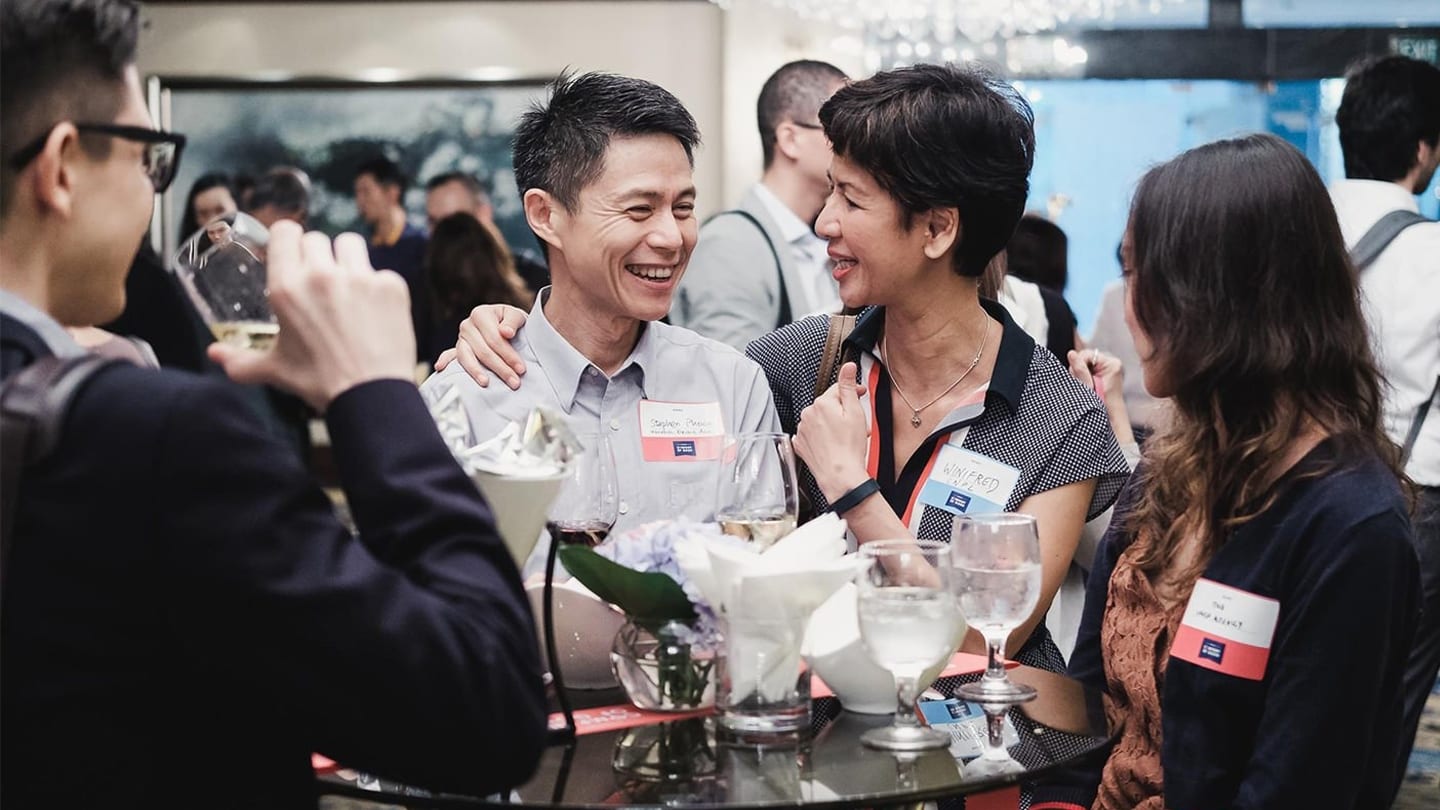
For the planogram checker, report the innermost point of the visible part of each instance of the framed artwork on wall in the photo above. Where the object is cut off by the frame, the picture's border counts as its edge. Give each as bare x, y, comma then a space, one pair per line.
329, 126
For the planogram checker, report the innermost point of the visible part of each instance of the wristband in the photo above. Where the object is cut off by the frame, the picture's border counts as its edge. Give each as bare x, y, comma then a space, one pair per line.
852, 499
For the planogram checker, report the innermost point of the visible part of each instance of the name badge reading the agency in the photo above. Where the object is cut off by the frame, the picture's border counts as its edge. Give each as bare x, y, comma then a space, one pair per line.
681, 431
963, 482
1227, 630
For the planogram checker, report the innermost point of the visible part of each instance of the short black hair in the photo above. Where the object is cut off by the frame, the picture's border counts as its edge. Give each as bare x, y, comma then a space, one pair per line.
286, 188
1390, 105
793, 93
1038, 252
385, 171
942, 136
471, 183
61, 60
560, 143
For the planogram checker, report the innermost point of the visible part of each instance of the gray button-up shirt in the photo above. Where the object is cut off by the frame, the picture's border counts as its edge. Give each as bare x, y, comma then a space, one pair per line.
668, 365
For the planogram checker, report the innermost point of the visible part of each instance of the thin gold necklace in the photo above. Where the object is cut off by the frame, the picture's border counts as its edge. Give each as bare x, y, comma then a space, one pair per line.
914, 411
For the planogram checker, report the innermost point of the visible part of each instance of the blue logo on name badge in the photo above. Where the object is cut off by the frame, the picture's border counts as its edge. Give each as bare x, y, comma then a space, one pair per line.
1213, 650
958, 500
684, 448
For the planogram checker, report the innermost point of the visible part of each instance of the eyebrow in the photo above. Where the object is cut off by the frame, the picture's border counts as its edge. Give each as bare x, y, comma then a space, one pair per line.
651, 195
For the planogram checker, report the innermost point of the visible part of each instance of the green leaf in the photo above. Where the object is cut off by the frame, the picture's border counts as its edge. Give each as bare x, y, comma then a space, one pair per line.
651, 596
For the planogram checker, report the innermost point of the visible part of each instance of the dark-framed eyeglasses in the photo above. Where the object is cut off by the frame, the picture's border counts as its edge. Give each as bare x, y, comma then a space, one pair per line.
162, 149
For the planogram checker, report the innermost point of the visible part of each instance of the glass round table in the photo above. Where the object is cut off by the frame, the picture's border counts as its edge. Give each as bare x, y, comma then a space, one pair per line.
681, 763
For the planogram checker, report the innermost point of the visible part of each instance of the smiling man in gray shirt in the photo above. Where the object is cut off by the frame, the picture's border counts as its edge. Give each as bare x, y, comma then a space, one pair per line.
605, 169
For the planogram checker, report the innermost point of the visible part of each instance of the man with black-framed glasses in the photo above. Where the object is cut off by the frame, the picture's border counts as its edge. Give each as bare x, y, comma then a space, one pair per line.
177, 592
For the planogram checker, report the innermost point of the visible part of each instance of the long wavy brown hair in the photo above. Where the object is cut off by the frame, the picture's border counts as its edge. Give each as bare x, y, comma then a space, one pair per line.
1240, 279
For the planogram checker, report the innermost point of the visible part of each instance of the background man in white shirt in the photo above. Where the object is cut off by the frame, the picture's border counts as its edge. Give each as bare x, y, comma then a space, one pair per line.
761, 265
1389, 121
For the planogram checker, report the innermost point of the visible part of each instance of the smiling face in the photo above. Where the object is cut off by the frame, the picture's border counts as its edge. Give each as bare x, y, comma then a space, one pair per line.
623, 247
874, 254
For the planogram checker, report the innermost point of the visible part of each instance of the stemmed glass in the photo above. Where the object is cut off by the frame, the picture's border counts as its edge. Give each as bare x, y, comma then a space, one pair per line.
908, 621
588, 503
758, 499
222, 268
996, 561
583, 513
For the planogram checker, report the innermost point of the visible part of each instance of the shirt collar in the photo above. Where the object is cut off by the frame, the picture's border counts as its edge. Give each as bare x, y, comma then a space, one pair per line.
1375, 194
791, 226
56, 339
1012, 363
564, 365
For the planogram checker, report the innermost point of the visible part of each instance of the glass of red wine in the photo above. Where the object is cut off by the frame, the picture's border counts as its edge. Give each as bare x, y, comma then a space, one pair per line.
587, 506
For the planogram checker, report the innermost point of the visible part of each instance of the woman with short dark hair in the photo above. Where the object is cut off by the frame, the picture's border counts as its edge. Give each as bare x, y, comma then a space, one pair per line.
930, 175
1252, 606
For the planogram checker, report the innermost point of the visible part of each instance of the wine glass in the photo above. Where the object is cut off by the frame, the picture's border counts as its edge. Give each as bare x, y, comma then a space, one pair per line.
996, 558
908, 621
222, 268
758, 498
588, 503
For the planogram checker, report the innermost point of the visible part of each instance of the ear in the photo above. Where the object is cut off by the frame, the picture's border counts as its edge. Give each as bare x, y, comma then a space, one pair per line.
54, 172
542, 212
942, 231
786, 140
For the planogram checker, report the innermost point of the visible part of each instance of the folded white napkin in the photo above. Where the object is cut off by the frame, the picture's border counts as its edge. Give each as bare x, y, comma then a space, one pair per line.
766, 598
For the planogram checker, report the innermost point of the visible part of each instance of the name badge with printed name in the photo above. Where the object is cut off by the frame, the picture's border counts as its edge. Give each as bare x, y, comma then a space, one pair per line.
963, 482
681, 431
1227, 630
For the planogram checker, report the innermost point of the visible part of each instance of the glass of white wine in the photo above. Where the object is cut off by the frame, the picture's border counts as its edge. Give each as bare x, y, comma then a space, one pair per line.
758, 498
997, 583
222, 268
908, 621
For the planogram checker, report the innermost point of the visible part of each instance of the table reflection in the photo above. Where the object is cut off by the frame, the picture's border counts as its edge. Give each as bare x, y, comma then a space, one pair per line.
687, 763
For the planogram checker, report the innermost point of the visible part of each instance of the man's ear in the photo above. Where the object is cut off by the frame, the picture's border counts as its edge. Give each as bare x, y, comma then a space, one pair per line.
53, 173
542, 212
942, 231
786, 140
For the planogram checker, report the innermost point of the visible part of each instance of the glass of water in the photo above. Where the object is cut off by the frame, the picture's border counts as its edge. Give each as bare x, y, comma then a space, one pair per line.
996, 558
758, 499
222, 268
908, 621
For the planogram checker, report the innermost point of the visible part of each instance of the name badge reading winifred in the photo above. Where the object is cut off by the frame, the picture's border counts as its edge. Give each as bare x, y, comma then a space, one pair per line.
1227, 630
681, 431
963, 482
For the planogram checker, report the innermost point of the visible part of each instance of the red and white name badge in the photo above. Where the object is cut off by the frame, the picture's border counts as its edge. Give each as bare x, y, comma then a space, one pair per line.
681, 431
1227, 630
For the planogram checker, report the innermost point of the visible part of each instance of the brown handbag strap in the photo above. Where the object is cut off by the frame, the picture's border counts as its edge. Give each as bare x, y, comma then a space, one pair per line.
840, 328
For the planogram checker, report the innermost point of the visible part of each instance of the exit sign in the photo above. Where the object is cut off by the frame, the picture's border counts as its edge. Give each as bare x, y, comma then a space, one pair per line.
1426, 49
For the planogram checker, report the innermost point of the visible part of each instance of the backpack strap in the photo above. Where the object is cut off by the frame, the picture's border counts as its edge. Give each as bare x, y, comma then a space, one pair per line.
785, 315
33, 405
1380, 235
1417, 423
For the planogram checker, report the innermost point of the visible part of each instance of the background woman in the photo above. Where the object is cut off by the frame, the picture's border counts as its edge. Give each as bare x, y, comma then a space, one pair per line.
1251, 609
466, 265
211, 196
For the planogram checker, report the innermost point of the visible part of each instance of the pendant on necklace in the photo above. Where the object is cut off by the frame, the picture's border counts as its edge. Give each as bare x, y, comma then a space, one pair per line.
915, 419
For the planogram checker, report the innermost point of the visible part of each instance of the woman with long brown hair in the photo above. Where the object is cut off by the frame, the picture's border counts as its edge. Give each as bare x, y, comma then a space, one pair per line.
466, 264
1252, 606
